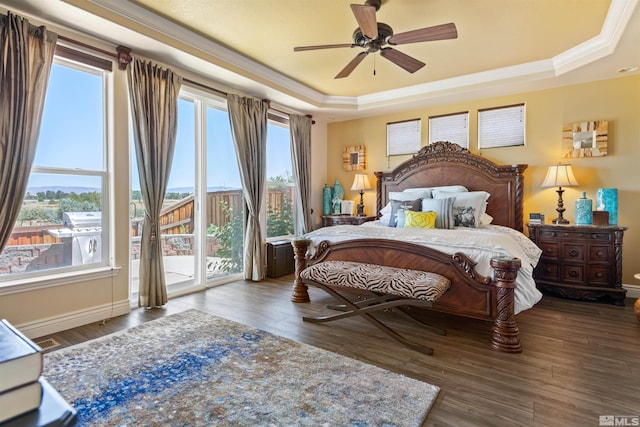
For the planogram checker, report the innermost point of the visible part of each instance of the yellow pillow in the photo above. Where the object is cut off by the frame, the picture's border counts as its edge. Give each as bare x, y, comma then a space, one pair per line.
420, 219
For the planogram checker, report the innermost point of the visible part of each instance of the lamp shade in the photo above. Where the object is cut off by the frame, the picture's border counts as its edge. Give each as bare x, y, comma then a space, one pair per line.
360, 183
560, 175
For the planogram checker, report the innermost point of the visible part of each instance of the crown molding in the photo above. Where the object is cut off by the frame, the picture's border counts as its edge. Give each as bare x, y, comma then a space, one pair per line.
159, 28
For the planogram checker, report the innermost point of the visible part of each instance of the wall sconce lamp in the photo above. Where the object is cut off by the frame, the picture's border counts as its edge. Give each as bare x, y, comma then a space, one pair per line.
560, 175
361, 183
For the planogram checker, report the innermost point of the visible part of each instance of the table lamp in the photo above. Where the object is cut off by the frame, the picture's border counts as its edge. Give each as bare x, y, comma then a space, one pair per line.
361, 183
560, 175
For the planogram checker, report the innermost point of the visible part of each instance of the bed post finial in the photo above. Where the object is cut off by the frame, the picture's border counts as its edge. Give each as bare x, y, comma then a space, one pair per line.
506, 336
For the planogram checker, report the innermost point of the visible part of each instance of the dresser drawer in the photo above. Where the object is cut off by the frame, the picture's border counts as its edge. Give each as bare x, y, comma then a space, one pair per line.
600, 254
547, 271
550, 250
573, 252
599, 276
572, 273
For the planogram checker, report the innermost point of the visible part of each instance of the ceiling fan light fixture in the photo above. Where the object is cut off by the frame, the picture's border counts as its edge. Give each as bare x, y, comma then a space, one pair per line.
373, 36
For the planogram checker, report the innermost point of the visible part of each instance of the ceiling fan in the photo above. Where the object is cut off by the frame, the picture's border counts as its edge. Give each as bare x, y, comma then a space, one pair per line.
373, 36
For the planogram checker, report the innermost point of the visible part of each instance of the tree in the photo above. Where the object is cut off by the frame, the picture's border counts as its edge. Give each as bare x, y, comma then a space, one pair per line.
280, 223
230, 236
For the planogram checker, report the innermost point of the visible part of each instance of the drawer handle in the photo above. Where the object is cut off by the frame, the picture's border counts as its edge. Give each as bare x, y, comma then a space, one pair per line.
594, 236
573, 273
599, 275
573, 253
599, 253
548, 270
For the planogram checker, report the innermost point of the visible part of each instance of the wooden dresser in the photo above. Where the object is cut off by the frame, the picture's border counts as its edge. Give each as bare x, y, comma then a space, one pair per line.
580, 261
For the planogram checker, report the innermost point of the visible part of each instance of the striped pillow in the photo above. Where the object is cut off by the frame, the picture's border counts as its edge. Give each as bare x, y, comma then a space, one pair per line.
444, 210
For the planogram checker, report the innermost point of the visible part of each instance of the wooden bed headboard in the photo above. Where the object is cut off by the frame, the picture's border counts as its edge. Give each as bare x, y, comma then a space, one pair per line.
443, 163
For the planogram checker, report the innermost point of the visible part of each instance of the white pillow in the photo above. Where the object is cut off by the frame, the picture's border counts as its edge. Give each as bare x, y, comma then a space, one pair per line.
450, 188
467, 207
407, 196
485, 219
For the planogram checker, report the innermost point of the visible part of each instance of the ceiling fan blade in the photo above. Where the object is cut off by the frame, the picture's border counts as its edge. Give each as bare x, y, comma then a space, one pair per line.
437, 32
351, 65
322, 46
366, 17
401, 59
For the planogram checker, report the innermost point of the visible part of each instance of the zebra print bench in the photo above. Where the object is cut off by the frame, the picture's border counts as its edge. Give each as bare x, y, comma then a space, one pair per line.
383, 287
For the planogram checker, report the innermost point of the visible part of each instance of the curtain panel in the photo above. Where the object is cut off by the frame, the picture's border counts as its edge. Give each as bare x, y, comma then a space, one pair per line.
300, 130
248, 119
26, 55
153, 94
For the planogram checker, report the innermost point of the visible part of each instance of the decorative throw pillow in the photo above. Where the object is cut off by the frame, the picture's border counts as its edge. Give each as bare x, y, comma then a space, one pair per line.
467, 207
444, 210
420, 219
413, 205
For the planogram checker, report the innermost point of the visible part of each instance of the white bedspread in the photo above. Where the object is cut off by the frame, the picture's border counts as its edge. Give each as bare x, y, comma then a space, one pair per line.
479, 244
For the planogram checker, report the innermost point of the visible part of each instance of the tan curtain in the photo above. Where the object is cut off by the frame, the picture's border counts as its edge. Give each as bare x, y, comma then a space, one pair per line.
300, 130
248, 118
26, 55
153, 94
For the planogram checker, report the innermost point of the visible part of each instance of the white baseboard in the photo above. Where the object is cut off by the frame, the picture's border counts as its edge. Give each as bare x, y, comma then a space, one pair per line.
633, 291
71, 320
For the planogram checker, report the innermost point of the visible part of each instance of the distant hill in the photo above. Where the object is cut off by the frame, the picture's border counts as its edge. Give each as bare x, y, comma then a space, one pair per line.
80, 190
56, 188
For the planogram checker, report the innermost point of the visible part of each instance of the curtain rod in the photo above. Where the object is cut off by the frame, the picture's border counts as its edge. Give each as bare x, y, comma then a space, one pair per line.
123, 55
223, 93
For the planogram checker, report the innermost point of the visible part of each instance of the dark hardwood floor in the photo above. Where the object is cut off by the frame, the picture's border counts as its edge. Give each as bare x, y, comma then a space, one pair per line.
580, 359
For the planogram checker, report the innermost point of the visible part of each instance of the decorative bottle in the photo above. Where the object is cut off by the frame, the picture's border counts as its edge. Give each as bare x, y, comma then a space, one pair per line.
338, 190
326, 200
584, 210
338, 195
607, 200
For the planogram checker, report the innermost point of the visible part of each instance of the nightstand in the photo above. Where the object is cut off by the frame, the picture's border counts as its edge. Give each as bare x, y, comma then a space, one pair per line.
580, 261
329, 220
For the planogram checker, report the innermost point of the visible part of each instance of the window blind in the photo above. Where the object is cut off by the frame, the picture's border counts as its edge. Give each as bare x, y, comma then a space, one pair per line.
403, 137
501, 126
451, 127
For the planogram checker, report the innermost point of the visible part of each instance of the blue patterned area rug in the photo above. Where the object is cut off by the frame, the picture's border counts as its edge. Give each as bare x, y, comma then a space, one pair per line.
195, 369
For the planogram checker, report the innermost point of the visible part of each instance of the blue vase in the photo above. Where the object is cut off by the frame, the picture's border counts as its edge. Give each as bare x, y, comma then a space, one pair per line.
337, 194
607, 200
338, 190
326, 200
584, 210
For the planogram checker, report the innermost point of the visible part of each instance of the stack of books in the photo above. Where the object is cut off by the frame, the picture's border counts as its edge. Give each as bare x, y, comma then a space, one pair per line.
20, 370
536, 218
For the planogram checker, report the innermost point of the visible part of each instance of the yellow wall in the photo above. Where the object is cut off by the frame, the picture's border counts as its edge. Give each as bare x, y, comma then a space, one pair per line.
616, 100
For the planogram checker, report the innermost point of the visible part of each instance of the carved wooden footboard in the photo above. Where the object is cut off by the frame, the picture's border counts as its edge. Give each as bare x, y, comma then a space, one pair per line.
470, 295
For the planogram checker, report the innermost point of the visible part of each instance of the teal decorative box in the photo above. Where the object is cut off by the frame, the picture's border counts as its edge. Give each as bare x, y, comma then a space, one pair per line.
607, 200
584, 209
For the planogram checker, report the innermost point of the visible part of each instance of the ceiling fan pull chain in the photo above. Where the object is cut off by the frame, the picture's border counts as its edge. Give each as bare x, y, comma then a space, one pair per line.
374, 65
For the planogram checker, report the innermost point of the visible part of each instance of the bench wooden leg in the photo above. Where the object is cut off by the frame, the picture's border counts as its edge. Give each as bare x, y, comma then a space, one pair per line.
365, 307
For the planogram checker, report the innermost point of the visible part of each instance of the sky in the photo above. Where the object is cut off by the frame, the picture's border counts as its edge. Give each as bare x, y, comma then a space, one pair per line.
71, 133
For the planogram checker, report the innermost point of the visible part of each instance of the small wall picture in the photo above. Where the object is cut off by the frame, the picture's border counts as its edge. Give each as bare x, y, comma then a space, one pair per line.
585, 139
353, 158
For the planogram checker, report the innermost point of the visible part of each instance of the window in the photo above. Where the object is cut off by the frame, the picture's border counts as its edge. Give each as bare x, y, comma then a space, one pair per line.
501, 126
450, 127
403, 137
280, 184
202, 219
63, 224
